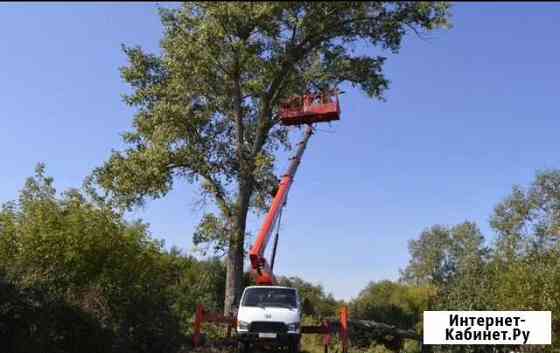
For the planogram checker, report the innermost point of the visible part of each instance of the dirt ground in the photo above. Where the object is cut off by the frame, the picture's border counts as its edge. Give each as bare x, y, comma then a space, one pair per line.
227, 346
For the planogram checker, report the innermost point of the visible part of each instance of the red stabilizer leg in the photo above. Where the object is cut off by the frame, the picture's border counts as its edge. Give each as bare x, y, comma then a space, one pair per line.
230, 325
344, 328
327, 336
199, 317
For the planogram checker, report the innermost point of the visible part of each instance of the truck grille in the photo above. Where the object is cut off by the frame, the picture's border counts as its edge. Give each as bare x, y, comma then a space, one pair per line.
265, 326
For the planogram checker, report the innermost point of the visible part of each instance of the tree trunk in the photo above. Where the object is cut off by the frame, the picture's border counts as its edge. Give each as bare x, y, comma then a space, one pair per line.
236, 251
234, 273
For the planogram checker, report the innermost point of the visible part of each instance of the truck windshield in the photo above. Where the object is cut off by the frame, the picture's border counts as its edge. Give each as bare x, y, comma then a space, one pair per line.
274, 297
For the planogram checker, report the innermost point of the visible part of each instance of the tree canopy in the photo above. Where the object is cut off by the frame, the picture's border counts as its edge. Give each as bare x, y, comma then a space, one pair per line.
441, 252
207, 105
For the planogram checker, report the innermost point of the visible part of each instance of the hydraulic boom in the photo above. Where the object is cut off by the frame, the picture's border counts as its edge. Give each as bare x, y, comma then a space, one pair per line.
261, 268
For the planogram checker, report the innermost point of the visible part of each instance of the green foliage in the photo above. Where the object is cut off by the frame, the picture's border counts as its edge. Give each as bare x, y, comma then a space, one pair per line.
197, 282
207, 106
393, 303
68, 260
442, 252
398, 304
528, 221
521, 271
32, 321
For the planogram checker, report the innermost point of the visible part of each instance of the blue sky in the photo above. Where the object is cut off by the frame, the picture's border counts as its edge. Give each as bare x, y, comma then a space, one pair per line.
470, 112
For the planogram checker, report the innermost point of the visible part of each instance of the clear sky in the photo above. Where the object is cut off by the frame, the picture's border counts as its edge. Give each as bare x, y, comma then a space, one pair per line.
470, 112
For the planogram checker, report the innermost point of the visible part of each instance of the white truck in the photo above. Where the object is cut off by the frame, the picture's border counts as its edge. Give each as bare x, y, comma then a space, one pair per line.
269, 316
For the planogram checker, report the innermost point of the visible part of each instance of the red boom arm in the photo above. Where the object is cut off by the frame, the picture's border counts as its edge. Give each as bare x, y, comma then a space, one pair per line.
261, 269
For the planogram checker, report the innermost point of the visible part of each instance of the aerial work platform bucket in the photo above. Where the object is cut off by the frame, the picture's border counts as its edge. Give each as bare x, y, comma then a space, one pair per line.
310, 108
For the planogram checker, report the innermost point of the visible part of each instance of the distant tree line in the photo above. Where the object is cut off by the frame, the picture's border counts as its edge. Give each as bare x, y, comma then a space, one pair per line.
458, 268
517, 269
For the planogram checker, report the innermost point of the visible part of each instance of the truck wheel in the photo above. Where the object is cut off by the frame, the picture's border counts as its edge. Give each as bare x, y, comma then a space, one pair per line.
244, 347
294, 346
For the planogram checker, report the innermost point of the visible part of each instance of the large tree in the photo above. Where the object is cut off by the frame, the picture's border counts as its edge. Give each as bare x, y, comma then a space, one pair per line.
442, 253
528, 220
207, 105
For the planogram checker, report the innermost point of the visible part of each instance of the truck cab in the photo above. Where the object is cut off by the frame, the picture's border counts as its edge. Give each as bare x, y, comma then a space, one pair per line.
270, 316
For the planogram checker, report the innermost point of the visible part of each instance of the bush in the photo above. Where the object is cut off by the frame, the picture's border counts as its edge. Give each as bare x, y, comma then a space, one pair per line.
32, 321
83, 270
